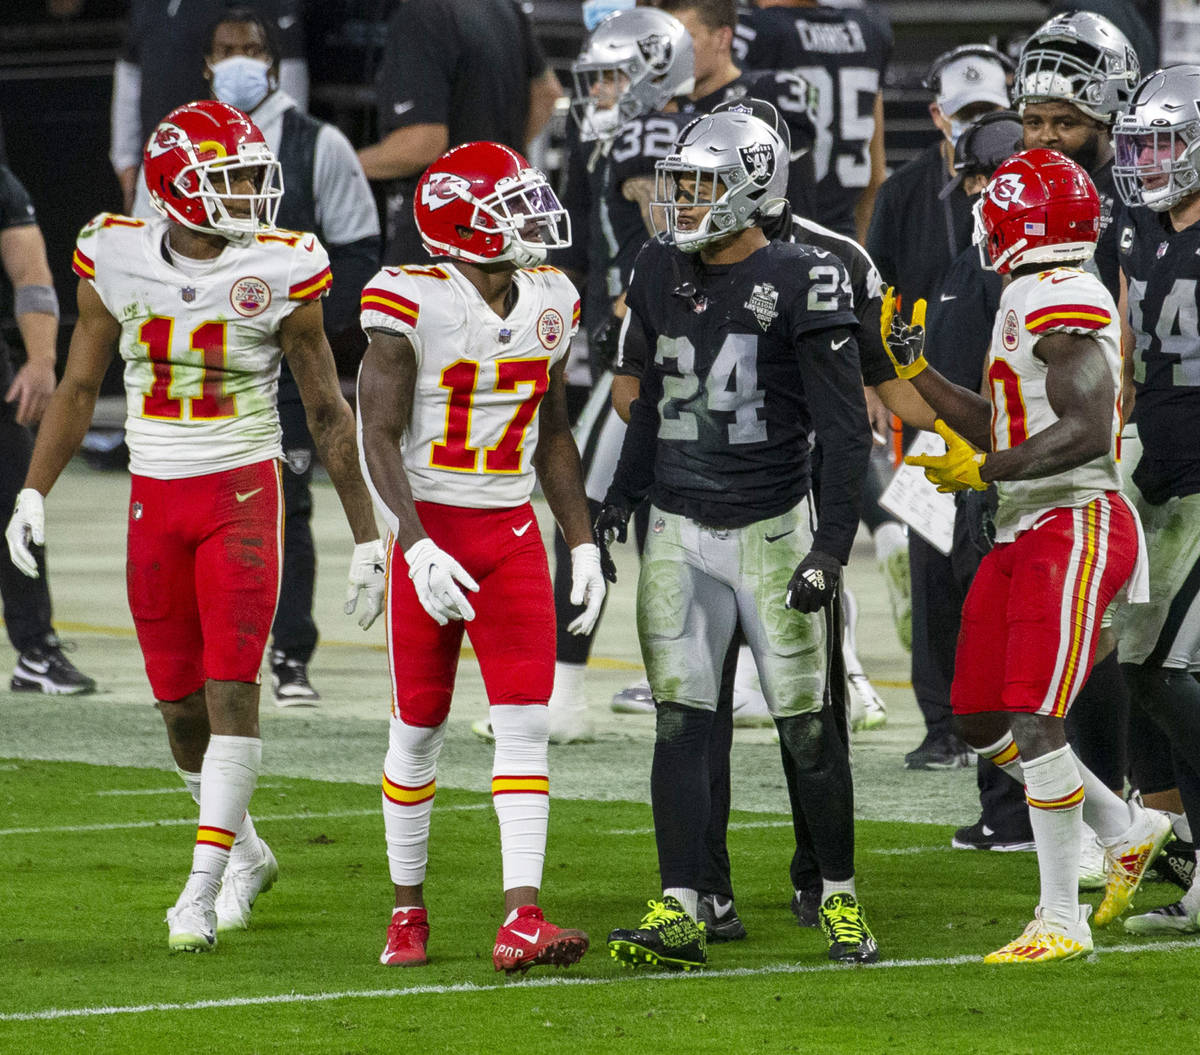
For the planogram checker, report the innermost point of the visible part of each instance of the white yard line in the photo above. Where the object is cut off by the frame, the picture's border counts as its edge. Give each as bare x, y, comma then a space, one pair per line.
542, 982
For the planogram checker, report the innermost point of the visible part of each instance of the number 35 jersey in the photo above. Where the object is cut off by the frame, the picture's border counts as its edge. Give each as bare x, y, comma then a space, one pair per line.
1063, 300
201, 345
480, 378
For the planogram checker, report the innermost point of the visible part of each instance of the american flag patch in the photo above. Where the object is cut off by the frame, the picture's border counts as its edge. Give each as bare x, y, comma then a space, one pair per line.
1035, 228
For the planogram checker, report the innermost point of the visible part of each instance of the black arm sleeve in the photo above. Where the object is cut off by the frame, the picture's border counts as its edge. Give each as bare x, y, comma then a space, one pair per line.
352, 266
829, 368
633, 349
634, 475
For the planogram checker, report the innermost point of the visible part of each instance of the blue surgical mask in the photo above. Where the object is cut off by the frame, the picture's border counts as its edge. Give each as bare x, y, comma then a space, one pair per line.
595, 11
957, 128
241, 81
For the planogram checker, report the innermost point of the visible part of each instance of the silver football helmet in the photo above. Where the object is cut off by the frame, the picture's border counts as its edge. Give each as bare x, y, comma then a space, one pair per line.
1158, 140
737, 168
634, 62
1079, 58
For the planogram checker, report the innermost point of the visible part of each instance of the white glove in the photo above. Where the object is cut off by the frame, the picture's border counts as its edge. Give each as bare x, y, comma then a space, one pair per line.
368, 567
28, 523
587, 587
436, 576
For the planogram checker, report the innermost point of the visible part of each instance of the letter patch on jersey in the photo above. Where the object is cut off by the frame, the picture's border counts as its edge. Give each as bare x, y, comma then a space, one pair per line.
1010, 332
250, 296
1058, 316
550, 328
761, 303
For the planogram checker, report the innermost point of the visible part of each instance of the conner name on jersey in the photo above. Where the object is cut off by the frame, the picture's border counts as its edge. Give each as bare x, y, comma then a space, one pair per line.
200, 344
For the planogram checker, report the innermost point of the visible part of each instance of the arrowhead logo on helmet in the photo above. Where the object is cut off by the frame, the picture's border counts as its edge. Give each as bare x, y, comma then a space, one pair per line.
1006, 190
443, 188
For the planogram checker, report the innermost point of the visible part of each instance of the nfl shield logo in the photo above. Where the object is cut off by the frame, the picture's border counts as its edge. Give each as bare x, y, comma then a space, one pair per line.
188, 293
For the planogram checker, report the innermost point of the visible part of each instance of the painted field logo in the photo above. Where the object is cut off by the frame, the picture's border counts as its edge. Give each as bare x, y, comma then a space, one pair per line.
1010, 332
250, 296
550, 328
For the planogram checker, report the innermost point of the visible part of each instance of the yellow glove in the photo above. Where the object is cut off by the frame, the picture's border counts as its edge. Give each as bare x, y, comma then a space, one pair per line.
957, 469
903, 342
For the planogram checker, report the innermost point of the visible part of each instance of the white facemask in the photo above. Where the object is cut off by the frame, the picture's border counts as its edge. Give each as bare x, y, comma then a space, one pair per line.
241, 81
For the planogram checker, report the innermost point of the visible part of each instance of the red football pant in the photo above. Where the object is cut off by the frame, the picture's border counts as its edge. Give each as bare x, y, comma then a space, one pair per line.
1029, 624
513, 632
202, 574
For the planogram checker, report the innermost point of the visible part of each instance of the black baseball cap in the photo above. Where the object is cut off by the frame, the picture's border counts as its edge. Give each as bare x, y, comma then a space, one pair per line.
987, 141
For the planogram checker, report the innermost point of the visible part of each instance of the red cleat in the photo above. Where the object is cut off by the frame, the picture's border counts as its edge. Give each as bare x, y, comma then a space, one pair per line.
407, 936
529, 940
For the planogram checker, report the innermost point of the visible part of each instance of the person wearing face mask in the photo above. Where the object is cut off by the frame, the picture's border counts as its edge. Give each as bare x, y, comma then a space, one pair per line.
154, 74
326, 193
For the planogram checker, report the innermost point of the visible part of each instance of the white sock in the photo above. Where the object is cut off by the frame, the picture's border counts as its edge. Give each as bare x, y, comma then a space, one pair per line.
686, 896
192, 782
829, 887
245, 846
1055, 793
1004, 754
1106, 813
567, 704
889, 537
521, 790
409, 786
227, 779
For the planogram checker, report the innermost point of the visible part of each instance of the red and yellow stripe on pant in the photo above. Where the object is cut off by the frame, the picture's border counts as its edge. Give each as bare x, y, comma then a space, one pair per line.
526, 785
403, 795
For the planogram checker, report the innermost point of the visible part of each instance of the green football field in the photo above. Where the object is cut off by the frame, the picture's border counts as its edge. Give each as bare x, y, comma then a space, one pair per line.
96, 832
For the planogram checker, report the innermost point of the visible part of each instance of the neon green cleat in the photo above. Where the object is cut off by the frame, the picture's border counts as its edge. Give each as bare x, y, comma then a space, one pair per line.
666, 937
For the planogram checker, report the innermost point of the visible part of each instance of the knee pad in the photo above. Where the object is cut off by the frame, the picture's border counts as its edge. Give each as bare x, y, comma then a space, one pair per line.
413, 750
804, 737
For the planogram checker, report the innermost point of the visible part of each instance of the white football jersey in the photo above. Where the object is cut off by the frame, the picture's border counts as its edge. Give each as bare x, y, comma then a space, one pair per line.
1063, 299
480, 378
201, 344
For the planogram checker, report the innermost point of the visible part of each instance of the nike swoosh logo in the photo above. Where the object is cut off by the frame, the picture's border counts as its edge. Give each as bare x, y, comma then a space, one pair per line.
531, 938
835, 345
1056, 279
308, 246
776, 538
949, 296
519, 532
402, 108
249, 494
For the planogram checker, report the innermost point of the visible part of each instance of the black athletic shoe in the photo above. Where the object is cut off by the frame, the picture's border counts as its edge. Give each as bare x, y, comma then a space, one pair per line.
845, 925
666, 937
289, 682
946, 751
1176, 864
720, 918
806, 907
47, 670
979, 836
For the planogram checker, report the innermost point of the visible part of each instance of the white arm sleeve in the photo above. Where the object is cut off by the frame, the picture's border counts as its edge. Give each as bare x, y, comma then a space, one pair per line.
293, 79
125, 118
345, 206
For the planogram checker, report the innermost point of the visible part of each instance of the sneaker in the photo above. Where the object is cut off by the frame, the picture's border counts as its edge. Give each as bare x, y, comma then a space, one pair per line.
1091, 862
750, 710
46, 669
845, 925
192, 925
867, 709
530, 940
1045, 940
407, 936
482, 728
581, 732
289, 680
720, 919
806, 907
1126, 861
945, 751
1170, 919
634, 700
244, 880
899, 587
979, 836
666, 937
1176, 864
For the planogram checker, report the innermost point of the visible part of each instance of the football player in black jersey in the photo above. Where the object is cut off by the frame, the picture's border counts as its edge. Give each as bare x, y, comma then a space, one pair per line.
751, 346
1158, 177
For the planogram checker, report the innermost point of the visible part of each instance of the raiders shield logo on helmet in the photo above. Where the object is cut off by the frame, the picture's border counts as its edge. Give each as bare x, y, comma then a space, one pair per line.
759, 162
656, 50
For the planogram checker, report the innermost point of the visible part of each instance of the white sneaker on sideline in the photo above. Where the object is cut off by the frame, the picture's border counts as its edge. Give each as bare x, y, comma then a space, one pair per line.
867, 709
244, 880
634, 700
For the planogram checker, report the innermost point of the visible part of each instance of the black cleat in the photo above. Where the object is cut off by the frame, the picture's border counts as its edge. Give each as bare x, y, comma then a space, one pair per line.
946, 751
46, 669
806, 907
289, 682
1176, 864
667, 937
979, 836
720, 918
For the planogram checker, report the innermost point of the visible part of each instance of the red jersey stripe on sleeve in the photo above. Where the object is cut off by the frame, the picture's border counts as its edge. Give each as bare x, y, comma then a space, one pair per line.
311, 288
1083, 316
384, 300
82, 266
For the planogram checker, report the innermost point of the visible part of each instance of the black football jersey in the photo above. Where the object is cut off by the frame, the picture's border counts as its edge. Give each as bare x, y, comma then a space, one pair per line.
747, 360
1162, 268
842, 53
1106, 264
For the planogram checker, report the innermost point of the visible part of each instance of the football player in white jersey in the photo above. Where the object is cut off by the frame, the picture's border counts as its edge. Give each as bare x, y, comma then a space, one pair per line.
1066, 540
461, 400
201, 304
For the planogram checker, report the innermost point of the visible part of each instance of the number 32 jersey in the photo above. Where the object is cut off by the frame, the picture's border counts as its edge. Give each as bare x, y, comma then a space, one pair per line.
480, 377
201, 346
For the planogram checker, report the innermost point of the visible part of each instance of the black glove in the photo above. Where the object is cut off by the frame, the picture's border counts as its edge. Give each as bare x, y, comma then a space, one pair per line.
604, 341
609, 526
813, 582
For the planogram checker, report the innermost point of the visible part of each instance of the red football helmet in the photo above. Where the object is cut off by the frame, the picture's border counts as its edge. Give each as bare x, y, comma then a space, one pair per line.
188, 162
1039, 208
484, 203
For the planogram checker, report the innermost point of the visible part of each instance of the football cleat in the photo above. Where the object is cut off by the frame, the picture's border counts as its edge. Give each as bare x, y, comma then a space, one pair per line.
407, 936
289, 682
979, 836
845, 926
806, 907
1126, 860
666, 937
720, 918
46, 669
530, 940
1176, 864
1044, 940
634, 700
1169, 919
867, 709
192, 925
243, 881
944, 751
482, 728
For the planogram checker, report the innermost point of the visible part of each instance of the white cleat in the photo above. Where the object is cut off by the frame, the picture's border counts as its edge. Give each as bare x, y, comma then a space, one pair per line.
243, 882
1170, 919
1092, 873
634, 700
192, 925
1127, 859
867, 709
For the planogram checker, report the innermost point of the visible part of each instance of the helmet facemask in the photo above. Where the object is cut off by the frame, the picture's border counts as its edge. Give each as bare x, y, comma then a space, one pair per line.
211, 182
1156, 167
601, 103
